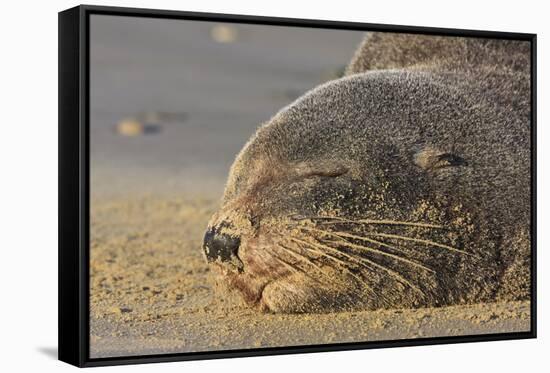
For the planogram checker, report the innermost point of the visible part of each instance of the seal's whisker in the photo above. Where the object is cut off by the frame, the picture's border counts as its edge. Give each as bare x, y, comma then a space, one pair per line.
362, 261
292, 268
342, 263
319, 250
340, 235
396, 257
420, 240
304, 259
367, 286
340, 220
299, 256
366, 239
370, 263
285, 263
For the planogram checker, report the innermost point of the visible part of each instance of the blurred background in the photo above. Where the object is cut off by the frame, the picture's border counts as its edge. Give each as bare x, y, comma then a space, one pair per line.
172, 101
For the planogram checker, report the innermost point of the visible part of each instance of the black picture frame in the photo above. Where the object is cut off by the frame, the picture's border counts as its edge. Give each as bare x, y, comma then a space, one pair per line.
74, 167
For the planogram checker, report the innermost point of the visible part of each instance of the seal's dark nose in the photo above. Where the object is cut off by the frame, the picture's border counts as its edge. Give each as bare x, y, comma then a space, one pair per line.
220, 246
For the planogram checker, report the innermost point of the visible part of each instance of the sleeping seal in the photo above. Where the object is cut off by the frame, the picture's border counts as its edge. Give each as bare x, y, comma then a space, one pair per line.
406, 183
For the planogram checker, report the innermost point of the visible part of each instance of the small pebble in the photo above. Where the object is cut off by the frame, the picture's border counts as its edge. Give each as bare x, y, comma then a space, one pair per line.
223, 34
130, 127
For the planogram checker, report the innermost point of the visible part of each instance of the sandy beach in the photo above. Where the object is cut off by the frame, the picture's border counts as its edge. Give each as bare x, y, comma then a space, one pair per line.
203, 92
152, 292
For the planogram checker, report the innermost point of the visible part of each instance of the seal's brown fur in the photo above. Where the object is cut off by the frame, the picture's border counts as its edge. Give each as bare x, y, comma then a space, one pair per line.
405, 183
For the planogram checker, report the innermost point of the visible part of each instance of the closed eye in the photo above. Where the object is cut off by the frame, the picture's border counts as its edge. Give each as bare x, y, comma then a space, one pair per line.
327, 173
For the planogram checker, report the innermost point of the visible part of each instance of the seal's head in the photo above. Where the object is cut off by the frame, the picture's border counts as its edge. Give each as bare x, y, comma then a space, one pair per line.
380, 189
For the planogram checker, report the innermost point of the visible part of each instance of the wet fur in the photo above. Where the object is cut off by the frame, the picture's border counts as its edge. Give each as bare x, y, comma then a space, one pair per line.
405, 183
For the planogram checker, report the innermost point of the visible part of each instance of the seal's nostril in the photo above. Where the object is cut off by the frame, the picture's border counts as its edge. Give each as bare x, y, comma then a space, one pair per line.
220, 246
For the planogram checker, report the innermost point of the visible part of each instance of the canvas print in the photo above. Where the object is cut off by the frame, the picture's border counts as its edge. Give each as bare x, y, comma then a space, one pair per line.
258, 186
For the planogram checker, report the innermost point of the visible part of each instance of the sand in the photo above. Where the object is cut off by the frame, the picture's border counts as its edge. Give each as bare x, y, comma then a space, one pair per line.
152, 292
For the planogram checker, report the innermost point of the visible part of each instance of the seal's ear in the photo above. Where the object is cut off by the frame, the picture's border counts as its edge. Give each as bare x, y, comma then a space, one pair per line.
431, 159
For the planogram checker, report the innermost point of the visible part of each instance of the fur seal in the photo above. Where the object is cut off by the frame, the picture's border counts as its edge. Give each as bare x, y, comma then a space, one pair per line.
405, 183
